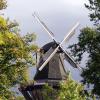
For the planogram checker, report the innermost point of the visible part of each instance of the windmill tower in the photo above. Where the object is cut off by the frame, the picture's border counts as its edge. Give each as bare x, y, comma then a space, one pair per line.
54, 70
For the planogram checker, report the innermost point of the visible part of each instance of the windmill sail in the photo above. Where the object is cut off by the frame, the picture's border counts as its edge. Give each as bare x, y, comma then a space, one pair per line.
44, 26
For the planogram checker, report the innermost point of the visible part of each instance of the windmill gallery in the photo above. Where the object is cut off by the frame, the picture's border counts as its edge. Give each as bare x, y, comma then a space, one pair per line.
50, 68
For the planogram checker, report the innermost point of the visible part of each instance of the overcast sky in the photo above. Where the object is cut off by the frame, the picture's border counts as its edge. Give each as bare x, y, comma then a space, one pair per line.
59, 16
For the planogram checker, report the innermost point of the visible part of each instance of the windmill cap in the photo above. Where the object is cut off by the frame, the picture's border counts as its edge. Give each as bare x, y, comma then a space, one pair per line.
49, 45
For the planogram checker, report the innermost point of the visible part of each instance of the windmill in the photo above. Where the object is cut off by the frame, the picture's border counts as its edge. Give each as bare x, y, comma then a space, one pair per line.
51, 68
51, 64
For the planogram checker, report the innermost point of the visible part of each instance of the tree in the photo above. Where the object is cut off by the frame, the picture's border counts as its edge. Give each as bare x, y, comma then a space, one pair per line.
15, 57
3, 4
94, 7
69, 90
89, 42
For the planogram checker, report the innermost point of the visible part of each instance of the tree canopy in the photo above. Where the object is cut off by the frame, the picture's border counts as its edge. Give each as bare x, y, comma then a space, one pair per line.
69, 90
3, 4
15, 56
89, 42
94, 7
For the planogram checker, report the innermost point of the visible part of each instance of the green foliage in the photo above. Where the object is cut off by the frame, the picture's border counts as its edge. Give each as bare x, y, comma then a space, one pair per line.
3, 4
94, 7
89, 41
69, 90
15, 56
49, 93
20, 98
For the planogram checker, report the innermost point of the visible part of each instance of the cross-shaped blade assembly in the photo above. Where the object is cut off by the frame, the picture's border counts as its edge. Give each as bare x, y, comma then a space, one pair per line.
59, 46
